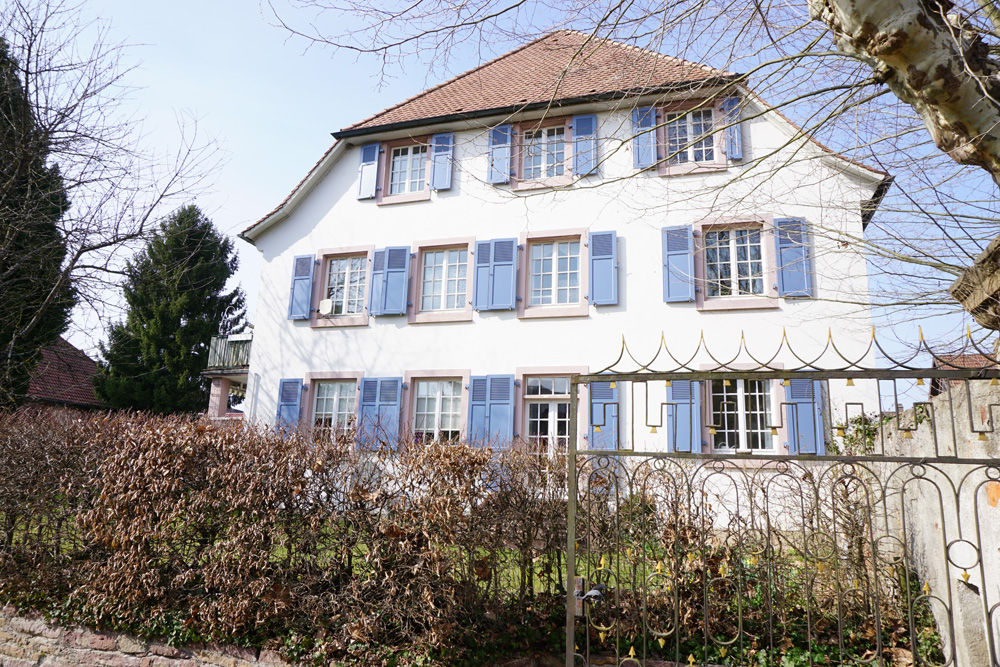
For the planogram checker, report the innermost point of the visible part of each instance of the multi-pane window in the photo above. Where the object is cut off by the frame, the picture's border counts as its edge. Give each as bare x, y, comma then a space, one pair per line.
345, 284
443, 282
544, 153
436, 409
407, 169
733, 262
547, 407
689, 137
740, 415
333, 410
555, 273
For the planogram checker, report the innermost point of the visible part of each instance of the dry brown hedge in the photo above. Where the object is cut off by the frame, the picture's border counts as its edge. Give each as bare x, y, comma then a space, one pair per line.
195, 531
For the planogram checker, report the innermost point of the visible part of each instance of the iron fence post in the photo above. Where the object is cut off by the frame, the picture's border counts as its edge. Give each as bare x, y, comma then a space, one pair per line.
574, 396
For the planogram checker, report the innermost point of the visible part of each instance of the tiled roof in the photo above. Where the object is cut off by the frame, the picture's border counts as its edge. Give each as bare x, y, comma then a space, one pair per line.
64, 376
963, 361
561, 65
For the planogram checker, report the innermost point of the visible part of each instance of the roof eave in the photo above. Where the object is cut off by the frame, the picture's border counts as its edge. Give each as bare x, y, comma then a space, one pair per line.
707, 82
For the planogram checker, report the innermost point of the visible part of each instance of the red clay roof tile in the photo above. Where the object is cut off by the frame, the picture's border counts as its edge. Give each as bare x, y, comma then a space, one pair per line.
65, 376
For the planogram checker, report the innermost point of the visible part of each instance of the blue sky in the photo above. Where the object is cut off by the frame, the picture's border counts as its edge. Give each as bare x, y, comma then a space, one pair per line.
270, 103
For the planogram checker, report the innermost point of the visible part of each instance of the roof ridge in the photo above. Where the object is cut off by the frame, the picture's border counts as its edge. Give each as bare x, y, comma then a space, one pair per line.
457, 77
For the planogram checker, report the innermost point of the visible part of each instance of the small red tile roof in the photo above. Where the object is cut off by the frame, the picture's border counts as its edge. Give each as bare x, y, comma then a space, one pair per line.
64, 376
561, 65
963, 361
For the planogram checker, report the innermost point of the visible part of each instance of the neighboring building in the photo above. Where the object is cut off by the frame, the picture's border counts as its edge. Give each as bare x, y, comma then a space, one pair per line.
452, 260
64, 378
952, 361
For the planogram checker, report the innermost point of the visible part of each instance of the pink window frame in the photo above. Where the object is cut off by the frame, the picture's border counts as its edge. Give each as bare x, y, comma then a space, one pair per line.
409, 397
319, 287
310, 380
526, 311
721, 161
382, 195
769, 299
517, 182
414, 314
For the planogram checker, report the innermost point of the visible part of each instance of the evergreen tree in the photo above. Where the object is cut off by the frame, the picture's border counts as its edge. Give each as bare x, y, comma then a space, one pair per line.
175, 299
36, 296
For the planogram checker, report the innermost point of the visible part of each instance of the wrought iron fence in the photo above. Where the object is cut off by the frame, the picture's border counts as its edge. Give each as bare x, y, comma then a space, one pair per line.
785, 511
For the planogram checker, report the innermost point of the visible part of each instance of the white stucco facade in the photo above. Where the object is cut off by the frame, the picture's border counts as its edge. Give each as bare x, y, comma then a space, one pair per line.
777, 177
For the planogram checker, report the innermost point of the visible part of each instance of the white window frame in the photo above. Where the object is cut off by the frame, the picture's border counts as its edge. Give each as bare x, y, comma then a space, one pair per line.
769, 298
733, 264
456, 400
344, 414
522, 179
414, 172
669, 162
737, 407
459, 264
579, 308
689, 137
360, 302
321, 287
555, 272
553, 401
385, 184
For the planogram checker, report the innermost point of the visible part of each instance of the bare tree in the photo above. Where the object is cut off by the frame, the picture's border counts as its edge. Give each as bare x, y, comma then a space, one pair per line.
74, 82
896, 68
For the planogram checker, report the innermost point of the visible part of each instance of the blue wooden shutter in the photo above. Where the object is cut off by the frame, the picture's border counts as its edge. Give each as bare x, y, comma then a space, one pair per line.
442, 146
478, 430
684, 416
503, 274
734, 135
397, 280
368, 171
499, 171
603, 268
805, 417
389, 395
584, 145
643, 137
500, 409
289, 403
368, 413
300, 296
377, 288
678, 264
603, 416
795, 272
481, 288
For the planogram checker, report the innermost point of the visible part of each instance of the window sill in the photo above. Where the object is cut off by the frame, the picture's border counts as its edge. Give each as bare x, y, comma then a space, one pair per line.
429, 316
691, 168
340, 321
537, 312
423, 195
542, 183
738, 303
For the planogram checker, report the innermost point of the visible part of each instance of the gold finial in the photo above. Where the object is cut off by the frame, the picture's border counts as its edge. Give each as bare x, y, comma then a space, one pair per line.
907, 435
982, 436
786, 383
965, 576
752, 561
919, 328
774, 430
659, 567
821, 567
711, 430
631, 651
727, 383
723, 651
926, 589
613, 385
993, 382
602, 635
691, 557
968, 329
723, 569
662, 641
604, 563
652, 429
840, 431
597, 429
667, 384
576, 647
628, 552
920, 382
850, 382
691, 659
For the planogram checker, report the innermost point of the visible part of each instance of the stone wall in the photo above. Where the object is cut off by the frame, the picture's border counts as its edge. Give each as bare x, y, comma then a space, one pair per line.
31, 642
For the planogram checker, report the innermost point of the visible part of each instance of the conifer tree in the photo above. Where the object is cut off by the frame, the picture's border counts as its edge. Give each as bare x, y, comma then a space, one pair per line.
174, 293
35, 299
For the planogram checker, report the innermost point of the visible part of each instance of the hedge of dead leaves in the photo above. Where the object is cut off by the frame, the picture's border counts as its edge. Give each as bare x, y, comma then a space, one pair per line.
195, 531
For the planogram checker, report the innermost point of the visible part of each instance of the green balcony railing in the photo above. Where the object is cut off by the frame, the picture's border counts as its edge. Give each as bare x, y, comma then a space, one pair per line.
231, 351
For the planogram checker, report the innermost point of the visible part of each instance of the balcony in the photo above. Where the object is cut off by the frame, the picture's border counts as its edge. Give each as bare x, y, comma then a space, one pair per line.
230, 353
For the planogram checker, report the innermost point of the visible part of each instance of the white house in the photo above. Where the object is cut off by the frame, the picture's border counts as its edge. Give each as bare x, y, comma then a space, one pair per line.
452, 260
